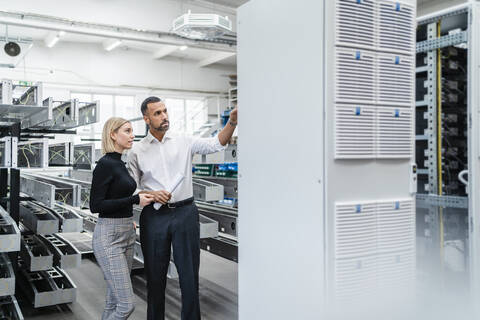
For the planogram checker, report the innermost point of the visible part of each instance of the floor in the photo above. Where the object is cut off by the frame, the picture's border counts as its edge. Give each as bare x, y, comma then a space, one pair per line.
218, 293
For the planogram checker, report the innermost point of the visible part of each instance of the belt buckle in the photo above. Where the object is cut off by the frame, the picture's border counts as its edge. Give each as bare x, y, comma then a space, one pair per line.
171, 205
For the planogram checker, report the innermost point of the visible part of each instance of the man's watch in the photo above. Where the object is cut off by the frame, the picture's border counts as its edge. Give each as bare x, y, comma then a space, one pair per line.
233, 124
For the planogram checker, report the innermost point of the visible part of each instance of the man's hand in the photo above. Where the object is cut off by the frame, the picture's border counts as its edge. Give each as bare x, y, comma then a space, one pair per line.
161, 196
233, 116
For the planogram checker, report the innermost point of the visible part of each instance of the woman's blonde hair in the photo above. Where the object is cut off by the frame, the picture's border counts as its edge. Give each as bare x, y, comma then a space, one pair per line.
111, 126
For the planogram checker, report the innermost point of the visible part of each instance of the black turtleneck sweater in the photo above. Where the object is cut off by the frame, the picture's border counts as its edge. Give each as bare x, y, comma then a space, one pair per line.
112, 188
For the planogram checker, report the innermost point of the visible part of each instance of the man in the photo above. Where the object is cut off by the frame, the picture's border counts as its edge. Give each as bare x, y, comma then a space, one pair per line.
154, 162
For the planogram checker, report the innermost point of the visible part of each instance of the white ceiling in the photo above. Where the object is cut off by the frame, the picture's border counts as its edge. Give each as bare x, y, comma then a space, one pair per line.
38, 35
226, 3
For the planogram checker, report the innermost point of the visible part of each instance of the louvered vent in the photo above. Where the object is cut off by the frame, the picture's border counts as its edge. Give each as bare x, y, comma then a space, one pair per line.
396, 27
396, 271
355, 76
354, 132
355, 277
372, 256
355, 230
355, 23
394, 133
395, 79
395, 226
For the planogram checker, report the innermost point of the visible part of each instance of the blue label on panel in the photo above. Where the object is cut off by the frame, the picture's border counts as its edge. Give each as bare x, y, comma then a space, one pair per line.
359, 208
358, 110
397, 113
398, 6
397, 205
397, 60
359, 1
357, 55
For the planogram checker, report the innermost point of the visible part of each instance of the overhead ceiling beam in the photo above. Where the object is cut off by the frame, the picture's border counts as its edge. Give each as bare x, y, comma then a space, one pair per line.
107, 31
214, 58
164, 51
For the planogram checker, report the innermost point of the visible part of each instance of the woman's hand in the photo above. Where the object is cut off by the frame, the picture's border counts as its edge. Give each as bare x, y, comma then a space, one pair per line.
134, 226
145, 199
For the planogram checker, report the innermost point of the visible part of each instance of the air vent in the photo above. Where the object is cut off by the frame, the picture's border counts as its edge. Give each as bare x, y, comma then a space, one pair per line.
354, 132
355, 23
396, 27
395, 80
394, 133
355, 230
355, 277
355, 76
395, 226
396, 271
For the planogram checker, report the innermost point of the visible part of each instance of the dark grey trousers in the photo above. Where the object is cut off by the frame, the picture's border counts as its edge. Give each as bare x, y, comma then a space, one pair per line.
159, 232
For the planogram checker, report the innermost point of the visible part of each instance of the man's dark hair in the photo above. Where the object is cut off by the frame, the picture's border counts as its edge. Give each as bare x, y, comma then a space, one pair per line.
147, 101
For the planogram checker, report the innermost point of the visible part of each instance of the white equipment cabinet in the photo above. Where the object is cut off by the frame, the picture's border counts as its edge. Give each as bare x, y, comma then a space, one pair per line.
326, 92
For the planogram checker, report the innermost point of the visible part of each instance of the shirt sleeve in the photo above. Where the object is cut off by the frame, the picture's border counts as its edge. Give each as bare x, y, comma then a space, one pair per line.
206, 145
101, 180
133, 170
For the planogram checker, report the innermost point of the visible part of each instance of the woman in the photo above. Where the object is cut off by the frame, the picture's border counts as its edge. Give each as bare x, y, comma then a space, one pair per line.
114, 236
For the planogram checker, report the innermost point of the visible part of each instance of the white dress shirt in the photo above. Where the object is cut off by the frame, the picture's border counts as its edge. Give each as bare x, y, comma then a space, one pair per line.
151, 159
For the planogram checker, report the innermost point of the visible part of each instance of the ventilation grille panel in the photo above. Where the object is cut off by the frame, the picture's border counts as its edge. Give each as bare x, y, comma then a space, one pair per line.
355, 23
354, 132
395, 79
395, 133
355, 76
355, 230
395, 226
396, 27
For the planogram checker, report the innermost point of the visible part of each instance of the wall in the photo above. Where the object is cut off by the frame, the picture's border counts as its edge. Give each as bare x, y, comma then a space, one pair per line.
89, 64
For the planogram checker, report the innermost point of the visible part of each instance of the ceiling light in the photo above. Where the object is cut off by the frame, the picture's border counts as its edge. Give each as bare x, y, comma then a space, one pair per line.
201, 26
52, 38
111, 44
183, 48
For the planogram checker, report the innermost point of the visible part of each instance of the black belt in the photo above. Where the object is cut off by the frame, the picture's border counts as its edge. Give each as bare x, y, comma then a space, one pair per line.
179, 203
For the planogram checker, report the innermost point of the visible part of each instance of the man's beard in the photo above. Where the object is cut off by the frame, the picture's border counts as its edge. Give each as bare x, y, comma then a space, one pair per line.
163, 128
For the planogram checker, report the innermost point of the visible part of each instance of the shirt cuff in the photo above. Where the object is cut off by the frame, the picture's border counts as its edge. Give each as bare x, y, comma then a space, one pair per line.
136, 199
218, 146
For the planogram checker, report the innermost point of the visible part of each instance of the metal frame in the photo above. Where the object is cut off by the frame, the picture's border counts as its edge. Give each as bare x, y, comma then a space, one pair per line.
204, 190
41, 152
9, 233
88, 113
40, 191
7, 276
69, 192
84, 150
35, 254
65, 255
47, 288
445, 41
429, 200
9, 306
70, 221
224, 216
7, 155
37, 218
431, 99
63, 150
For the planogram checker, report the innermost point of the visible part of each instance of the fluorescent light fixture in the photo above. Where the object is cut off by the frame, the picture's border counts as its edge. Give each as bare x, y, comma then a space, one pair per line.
183, 48
111, 44
52, 38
